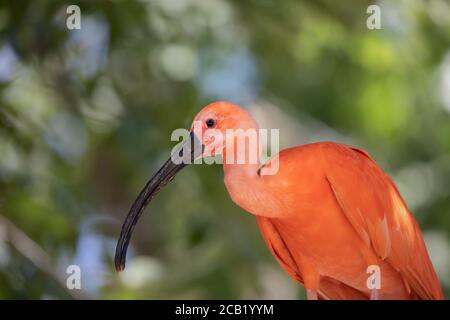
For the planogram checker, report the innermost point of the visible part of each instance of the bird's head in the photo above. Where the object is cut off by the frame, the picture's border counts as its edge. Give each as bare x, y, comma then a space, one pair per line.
213, 131
218, 124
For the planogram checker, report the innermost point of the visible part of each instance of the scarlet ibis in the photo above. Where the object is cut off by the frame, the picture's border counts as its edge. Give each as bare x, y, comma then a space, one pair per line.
327, 215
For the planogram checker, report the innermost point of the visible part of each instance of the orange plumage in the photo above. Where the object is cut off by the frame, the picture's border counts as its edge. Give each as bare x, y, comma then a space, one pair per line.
343, 214
326, 215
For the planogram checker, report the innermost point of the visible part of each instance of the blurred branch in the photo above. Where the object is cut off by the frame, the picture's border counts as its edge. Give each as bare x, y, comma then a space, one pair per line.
33, 252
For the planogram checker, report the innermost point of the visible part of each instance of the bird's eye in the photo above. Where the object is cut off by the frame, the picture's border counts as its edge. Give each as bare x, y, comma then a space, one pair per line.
210, 123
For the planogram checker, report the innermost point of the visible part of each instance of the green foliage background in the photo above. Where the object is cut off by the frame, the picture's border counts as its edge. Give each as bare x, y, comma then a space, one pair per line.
86, 117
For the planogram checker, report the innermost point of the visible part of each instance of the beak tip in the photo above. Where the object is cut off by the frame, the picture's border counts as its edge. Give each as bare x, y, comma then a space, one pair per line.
120, 266
119, 262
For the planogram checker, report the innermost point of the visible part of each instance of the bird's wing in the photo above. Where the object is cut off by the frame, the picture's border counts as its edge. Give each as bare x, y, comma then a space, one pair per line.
278, 247
371, 202
329, 288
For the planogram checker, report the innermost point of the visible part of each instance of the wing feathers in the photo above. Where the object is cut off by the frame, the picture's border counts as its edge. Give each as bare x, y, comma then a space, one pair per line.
373, 205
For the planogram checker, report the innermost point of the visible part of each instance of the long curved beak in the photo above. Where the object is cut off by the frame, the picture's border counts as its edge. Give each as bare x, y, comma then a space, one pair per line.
190, 150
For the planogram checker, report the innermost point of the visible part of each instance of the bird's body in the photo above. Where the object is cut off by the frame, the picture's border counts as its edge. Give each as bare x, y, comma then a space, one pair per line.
327, 215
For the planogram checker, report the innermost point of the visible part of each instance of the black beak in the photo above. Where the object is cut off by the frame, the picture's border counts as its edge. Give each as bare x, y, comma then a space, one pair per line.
185, 154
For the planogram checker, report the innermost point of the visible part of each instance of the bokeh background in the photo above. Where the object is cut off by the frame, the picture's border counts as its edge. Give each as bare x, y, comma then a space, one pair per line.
86, 117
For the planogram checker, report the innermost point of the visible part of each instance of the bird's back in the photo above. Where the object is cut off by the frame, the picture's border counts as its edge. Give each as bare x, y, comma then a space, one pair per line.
337, 193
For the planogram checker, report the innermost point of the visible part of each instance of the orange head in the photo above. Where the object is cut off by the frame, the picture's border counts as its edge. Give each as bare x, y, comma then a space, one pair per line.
220, 121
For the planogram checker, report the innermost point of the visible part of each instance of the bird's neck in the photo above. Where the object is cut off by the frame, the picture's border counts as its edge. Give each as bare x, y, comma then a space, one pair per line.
241, 161
241, 166
244, 171
242, 180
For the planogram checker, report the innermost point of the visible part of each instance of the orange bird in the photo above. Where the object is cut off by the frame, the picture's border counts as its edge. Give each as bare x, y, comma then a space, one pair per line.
328, 215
